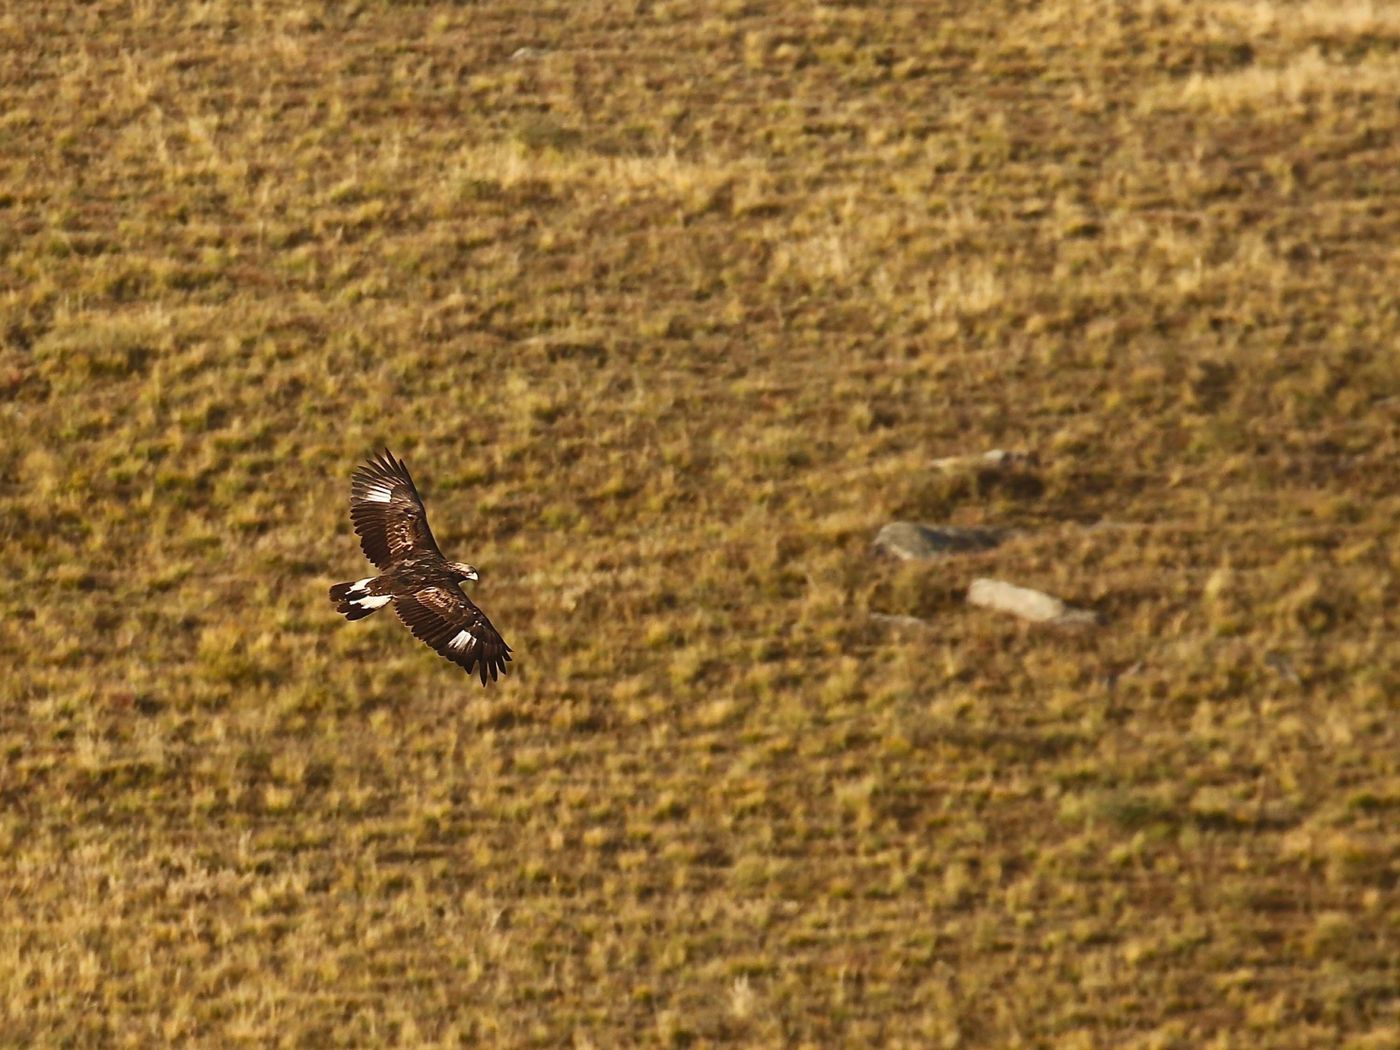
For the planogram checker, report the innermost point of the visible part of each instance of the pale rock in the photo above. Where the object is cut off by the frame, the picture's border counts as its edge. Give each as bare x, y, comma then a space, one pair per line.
1028, 604
996, 459
902, 622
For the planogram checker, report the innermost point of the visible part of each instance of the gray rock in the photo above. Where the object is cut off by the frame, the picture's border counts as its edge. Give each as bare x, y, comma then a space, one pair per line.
911, 541
1035, 606
1282, 666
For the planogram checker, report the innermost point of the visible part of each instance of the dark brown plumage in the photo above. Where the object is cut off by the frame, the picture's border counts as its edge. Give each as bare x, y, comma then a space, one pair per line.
392, 524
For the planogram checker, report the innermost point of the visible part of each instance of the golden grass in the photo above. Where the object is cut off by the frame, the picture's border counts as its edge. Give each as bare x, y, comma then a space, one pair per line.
669, 313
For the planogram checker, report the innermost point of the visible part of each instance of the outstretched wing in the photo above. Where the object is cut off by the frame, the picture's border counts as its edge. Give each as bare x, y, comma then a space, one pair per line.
388, 512
445, 618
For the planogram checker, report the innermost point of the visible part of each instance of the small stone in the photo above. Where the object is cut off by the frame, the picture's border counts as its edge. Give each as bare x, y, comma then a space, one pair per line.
911, 541
996, 459
1036, 606
891, 620
1280, 665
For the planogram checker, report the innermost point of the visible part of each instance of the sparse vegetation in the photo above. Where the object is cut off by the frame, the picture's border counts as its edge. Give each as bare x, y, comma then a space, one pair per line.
669, 313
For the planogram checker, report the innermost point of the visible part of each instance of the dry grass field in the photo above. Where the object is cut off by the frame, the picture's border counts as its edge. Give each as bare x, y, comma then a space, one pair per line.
669, 307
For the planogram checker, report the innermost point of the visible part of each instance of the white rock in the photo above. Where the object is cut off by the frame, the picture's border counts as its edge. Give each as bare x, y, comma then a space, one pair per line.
997, 459
1036, 606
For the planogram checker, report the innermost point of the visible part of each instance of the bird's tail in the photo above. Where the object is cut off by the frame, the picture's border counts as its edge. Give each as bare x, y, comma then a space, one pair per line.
357, 600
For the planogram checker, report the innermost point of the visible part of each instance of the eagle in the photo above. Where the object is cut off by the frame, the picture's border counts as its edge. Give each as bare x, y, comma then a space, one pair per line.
424, 586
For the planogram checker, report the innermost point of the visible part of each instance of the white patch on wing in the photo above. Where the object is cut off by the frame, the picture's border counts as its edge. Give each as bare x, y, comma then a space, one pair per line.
461, 641
373, 601
378, 494
360, 585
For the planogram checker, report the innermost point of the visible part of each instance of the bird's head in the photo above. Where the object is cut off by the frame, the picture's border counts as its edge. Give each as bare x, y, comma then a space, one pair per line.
463, 571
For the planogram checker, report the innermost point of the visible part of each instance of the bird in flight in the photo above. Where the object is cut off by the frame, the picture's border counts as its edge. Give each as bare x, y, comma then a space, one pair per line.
424, 586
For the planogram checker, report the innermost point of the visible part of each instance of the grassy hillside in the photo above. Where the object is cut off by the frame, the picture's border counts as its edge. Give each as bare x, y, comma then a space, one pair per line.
670, 307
